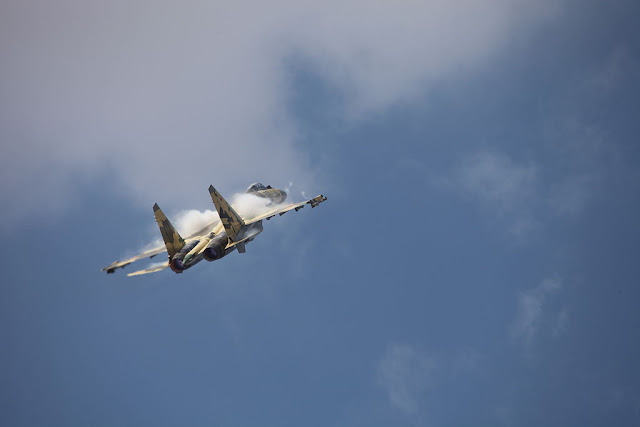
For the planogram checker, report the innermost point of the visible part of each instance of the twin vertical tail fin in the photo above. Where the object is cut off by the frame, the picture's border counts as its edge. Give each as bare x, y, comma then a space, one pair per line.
231, 221
172, 240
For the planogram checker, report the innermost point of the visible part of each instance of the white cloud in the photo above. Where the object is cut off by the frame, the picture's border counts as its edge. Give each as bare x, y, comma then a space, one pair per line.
531, 312
405, 374
171, 98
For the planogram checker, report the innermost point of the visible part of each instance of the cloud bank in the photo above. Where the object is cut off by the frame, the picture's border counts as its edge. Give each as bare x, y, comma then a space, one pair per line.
168, 99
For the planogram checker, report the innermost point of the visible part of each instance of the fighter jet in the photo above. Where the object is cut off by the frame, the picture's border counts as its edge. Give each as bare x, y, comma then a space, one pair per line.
216, 240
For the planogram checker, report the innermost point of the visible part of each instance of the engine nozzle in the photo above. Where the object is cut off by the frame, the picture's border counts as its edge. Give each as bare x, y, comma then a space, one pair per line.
176, 265
215, 248
210, 254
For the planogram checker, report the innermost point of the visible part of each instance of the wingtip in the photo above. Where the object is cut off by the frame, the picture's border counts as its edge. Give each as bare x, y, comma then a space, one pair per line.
212, 189
317, 200
156, 207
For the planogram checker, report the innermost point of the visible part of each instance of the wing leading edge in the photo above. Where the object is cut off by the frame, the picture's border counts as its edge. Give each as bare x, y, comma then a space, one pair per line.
281, 210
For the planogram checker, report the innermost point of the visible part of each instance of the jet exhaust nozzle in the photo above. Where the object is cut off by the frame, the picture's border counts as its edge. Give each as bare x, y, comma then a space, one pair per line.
215, 248
177, 263
210, 254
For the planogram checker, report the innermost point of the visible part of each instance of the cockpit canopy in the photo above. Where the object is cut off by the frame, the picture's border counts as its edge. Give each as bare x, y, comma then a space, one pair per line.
257, 186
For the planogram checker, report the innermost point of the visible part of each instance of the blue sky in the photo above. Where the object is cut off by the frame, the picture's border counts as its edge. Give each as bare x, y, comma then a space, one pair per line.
476, 262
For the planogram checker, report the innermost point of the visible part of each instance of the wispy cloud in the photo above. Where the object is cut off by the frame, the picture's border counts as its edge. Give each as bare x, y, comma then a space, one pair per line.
519, 193
405, 374
560, 324
533, 314
466, 361
578, 152
501, 185
497, 180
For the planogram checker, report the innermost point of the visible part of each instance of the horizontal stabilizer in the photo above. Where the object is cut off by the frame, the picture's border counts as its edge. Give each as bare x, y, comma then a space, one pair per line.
151, 269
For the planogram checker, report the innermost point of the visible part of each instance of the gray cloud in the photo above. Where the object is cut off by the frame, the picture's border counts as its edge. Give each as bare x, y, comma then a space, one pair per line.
171, 98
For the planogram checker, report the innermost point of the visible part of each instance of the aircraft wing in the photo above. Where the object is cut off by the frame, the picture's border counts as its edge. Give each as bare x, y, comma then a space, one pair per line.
146, 254
216, 225
151, 269
283, 209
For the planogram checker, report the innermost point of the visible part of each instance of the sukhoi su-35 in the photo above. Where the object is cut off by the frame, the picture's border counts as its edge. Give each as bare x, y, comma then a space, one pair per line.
218, 239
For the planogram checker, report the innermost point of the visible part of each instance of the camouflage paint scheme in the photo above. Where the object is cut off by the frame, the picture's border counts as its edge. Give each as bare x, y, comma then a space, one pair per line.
172, 239
216, 240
